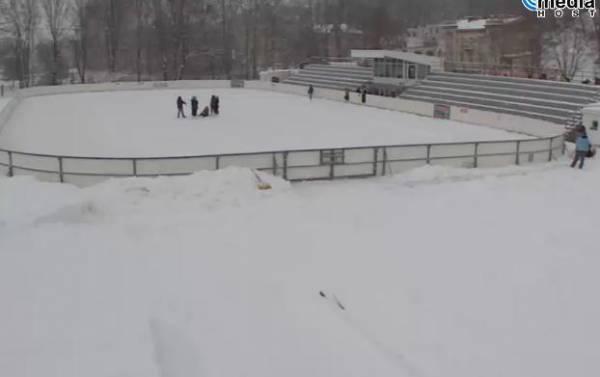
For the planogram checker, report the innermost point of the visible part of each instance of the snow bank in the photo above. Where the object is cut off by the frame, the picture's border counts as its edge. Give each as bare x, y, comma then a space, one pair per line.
484, 273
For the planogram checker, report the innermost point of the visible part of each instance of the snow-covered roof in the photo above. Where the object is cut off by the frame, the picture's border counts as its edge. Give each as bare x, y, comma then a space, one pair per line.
328, 28
434, 62
471, 24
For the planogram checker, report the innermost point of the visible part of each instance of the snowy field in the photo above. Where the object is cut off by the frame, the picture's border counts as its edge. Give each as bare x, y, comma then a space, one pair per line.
442, 273
144, 123
3, 102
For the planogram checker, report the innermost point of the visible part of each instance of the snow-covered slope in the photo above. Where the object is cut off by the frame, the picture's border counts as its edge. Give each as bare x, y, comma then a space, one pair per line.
145, 123
443, 273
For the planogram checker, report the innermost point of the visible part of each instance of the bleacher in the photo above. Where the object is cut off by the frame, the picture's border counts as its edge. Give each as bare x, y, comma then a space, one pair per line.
335, 76
557, 102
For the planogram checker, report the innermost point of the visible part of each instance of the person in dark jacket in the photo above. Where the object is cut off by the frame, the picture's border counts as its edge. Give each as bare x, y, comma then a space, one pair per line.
205, 112
195, 104
311, 91
213, 104
180, 103
582, 148
364, 96
217, 105
347, 95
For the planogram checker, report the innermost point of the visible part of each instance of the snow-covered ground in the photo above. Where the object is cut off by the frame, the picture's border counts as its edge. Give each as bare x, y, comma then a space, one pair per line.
133, 124
443, 273
3, 102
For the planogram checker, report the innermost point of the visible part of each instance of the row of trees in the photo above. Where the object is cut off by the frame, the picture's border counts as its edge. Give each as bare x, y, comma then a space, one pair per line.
43, 40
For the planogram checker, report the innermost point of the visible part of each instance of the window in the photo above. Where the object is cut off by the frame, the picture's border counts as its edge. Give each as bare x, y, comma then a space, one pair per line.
412, 72
595, 125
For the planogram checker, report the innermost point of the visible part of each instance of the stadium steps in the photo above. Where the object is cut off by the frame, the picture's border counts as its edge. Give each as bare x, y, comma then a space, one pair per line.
551, 101
524, 93
520, 81
549, 87
331, 76
499, 103
526, 114
348, 80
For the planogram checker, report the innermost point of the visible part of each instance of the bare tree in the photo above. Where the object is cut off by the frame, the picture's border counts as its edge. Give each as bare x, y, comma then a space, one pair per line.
160, 28
113, 22
81, 17
55, 12
19, 20
140, 7
568, 47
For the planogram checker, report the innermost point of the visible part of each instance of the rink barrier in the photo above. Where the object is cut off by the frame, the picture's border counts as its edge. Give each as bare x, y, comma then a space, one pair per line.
506, 122
291, 165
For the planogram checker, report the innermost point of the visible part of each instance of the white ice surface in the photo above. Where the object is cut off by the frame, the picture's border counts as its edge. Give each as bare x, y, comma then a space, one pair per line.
144, 123
444, 273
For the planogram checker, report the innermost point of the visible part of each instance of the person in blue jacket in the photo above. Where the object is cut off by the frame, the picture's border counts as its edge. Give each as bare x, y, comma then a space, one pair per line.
582, 148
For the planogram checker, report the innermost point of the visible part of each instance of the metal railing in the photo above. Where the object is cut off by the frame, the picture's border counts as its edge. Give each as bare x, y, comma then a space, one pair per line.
292, 165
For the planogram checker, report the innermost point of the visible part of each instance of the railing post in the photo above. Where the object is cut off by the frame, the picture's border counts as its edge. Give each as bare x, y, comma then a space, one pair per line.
11, 172
564, 147
285, 165
385, 159
550, 154
60, 170
275, 164
428, 154
518, 160
218, 163
134, 161
375, 157
476, 156
2, 90
332, 166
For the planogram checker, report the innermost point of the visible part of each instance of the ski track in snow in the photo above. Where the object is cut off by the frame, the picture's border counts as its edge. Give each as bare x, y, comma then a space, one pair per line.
344, 314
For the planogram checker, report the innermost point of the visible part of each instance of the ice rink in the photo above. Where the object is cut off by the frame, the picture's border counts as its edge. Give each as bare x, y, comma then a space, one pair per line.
144, 124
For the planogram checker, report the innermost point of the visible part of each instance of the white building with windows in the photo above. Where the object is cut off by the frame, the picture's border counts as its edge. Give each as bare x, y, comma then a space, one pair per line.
399, 68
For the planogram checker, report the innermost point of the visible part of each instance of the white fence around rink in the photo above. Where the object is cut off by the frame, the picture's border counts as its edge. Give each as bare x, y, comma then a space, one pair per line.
296, 165
293, 165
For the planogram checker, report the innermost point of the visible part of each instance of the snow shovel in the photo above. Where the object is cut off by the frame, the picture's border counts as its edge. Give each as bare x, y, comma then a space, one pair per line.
262, 185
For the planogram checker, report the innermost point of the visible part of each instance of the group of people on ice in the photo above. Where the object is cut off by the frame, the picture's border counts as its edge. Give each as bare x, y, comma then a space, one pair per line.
215, 103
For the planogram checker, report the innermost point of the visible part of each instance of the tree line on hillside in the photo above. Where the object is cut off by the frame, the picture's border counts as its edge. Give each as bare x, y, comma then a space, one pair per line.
43, 41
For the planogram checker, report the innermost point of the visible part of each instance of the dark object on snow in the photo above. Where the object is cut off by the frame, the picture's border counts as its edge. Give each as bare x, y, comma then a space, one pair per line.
591, 153
347, 95
311, 91
205, 112
364, 96
214, 105
180, 103
213, 100
333, 299
275, 80
195, 105
217, 105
